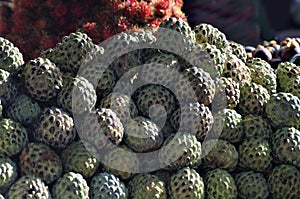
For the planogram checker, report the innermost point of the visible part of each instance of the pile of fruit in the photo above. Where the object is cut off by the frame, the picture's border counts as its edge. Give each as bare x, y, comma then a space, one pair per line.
247, 147
36, 25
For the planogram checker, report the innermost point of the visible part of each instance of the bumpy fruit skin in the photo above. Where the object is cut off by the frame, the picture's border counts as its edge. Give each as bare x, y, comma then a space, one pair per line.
186, 183
29, 186
24, 110
283, 110
121, 161
206, 33
238, 50
13, 137
219, 154
220, 184
229, 122
253, 99
252, 185
202, 84
40, 160
77, 96
72, 51
106, 185
147, 186
286, 72
180, 150
286, 146
228, 91
284, 182
71, 185
8, 89
262, 73
256, 126
122, 105
101, 128
175, 31
237, 70
255, 154
55, 128
10, 56
293, 86
154, 95
8, 173
77, 158
43, 79
142, 135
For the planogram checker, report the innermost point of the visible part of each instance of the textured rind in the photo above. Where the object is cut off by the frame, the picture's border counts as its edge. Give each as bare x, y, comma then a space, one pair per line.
24, 110
8, 90
253, 99
77, 96
219, 154
220, 184
286, 72
256, 126
252, 185
13, 137
238, 50
286, 146
228, 91
142, 135
283, 110
237, 70
106, 185
255, 154
197, 119
43, 79
180, 150
206, 33
40, 160
29, 186
262, 73
71, 185
230, 122
55, 128
147, 186
11, 58
121, 161
122, 105
102, 128
8, 173
284, 182
77, 158
186, 183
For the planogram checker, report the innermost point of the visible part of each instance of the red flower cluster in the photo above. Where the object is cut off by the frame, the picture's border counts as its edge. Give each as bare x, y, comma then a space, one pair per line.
35, 25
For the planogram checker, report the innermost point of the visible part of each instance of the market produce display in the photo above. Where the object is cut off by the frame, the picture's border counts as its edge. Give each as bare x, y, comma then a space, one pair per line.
72, 128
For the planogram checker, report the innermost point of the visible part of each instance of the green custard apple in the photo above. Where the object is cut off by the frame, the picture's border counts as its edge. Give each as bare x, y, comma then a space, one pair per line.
284, 182
40, 160
286, 146
8, 89
219, 154
24, 110
43, 79
255, 154
147, 186
71, 185
8, 173
29, 186
11, 58
238, 50
78, 158
142, 135
194, 118
55, 128
180, 150
220, 184
186, 183
252, 184
13, 137
106, 185
256, 126
283, 110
